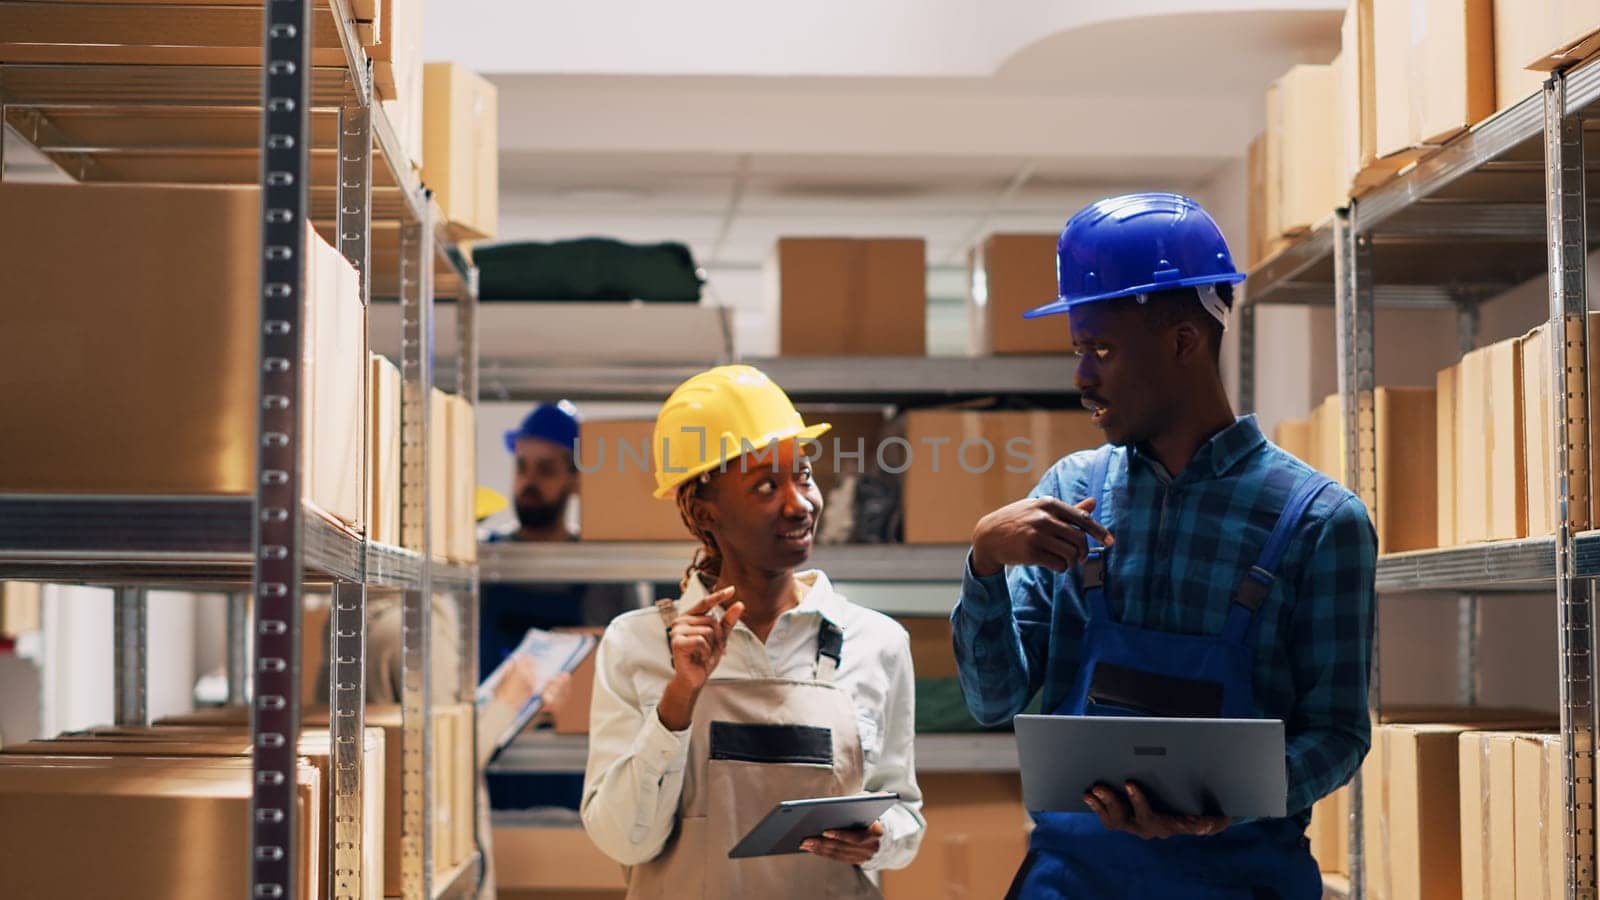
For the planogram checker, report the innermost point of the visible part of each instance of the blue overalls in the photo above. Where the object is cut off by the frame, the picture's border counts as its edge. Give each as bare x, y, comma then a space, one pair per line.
1136, 671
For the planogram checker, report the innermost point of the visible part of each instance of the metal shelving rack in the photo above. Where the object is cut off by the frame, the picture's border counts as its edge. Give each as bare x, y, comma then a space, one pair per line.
1493, 208
296, 116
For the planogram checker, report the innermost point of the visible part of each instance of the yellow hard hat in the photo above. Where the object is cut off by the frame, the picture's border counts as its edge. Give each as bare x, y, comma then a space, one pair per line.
737, 409
488, 502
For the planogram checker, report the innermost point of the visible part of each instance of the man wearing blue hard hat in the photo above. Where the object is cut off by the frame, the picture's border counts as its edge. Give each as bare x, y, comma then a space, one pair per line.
1188, 568
546, 475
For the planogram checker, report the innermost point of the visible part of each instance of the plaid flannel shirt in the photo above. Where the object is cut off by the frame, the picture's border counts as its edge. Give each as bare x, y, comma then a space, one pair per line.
1182, 546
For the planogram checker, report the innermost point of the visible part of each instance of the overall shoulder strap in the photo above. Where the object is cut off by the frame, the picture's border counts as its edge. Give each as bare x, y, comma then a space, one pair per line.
1092, 572
1257, 582
830, 649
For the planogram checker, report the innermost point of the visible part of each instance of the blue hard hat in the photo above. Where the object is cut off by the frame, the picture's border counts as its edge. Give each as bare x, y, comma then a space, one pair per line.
553, 422
1137, 244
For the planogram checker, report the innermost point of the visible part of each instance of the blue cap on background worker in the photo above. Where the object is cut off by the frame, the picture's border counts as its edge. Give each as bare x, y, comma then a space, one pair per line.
545, 477
1187, 569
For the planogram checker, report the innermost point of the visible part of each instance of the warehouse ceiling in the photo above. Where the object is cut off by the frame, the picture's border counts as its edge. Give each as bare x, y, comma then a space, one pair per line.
730, 126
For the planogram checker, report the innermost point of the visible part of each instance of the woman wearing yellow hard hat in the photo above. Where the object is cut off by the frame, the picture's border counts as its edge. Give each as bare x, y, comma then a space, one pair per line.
760, 684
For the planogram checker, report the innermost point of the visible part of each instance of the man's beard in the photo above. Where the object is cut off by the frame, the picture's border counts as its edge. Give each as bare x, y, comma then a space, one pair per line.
535, 515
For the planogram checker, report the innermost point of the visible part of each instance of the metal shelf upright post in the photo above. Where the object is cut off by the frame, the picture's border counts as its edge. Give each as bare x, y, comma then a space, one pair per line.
416, 351
1565, 198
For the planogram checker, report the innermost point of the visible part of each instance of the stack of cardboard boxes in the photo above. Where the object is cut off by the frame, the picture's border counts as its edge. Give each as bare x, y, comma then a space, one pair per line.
1468, 461
1425, 810
1408, 78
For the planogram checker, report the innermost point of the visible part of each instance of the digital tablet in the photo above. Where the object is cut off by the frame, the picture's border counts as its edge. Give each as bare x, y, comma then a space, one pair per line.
1194, 767
792, 821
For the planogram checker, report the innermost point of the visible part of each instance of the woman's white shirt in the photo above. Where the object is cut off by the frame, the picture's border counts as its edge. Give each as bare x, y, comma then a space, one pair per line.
636, 766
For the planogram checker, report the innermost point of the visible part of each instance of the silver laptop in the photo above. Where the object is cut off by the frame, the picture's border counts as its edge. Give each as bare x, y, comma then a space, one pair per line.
1212, 767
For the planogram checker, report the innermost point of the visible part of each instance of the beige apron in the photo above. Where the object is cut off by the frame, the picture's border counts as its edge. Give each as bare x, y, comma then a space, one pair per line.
753, 743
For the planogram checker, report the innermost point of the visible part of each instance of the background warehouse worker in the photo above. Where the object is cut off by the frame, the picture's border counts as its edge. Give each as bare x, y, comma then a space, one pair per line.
1128, 571
760, 684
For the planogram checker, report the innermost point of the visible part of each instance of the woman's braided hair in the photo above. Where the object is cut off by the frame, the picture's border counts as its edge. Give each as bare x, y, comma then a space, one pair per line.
707, 561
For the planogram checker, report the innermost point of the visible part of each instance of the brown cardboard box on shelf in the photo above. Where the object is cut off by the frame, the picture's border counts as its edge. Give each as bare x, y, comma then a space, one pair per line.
1272, 170
461, 533
976, 839
1411, 800
545, 859
1363, 168
383, 468
572, 717
1522, 34
1445, 411
1538, 433
1307, 153
397, 72
1407, 489
1327, 438
169, 34
963, 465
835, 456
158, 829
1487, 772
932, 653
1507, 513
75, 332
1330, 832
1434, 70
461, 147
1569, 32
1010, 274
160, 742
615, 457
20, 608
1541, 816
849, 296
438, 474
1255, 168
1294, 437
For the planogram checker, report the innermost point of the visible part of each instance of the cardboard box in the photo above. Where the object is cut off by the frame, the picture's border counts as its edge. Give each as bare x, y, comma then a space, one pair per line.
1364, 167
1541, 816
1569, 33
1306, 158
1330, 832
572, 717
461, 541
1435, 60
1010, 274
1328, 438
1411, 799
615, 458
932, 651
159, 742
1506, 478
1294, 437
383, 495
847, 297
1256, 198
976, 839
438, 474
397, 73
1523, 33
963, 465
461, 148
156, 829
1445, 410
1408, 504
1538, 434
1472, 443
77, 334
835, 457
543, 859
1488, 815
21, 608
